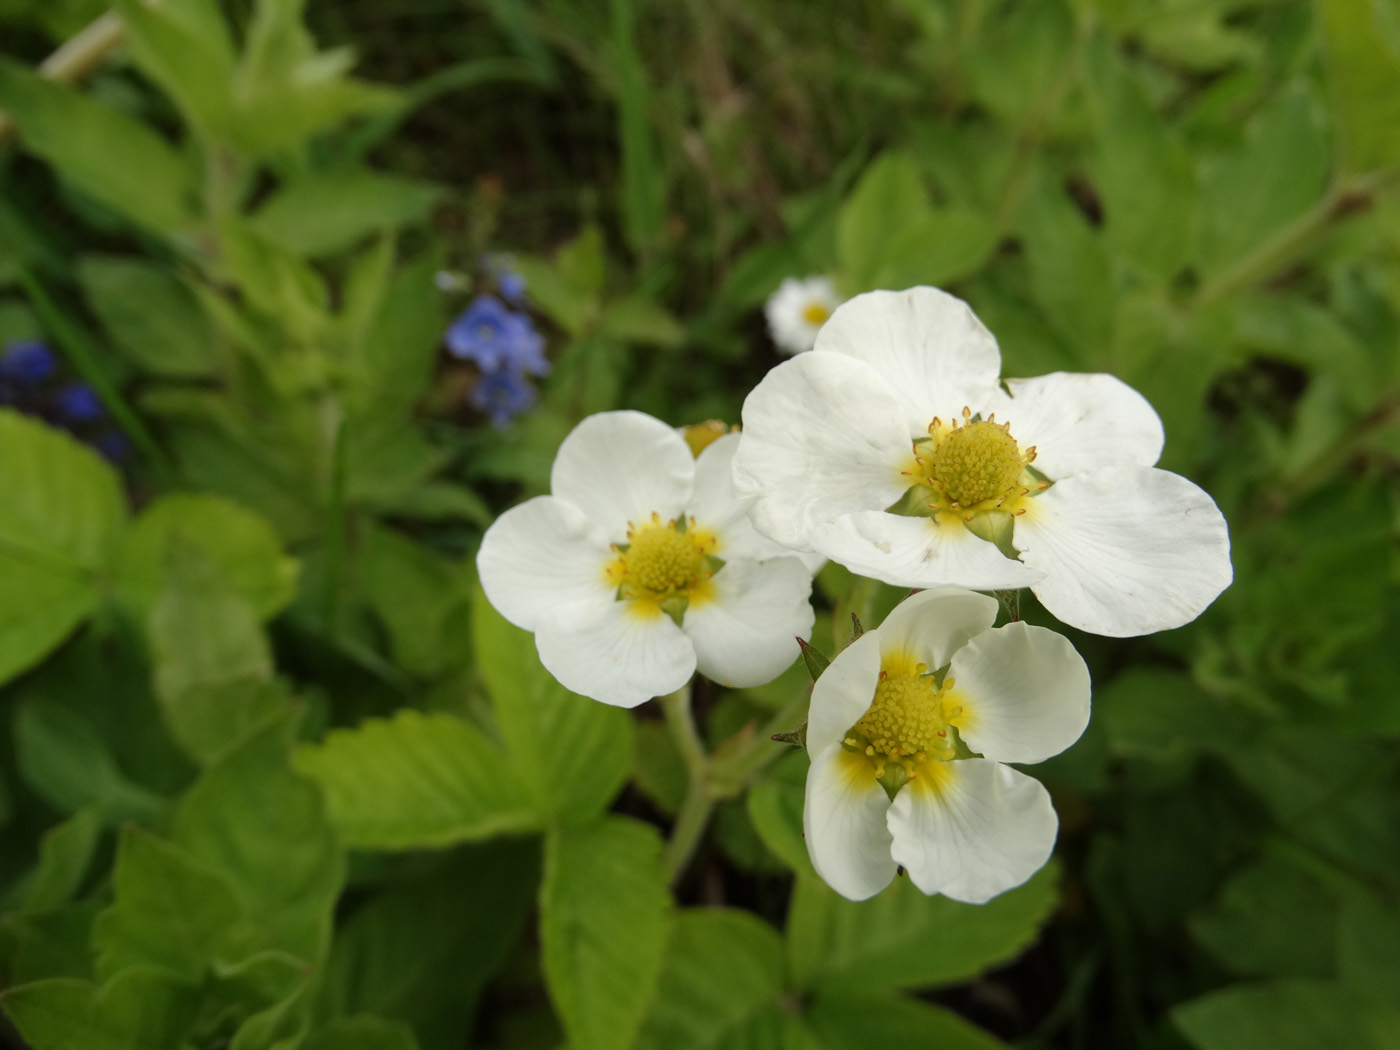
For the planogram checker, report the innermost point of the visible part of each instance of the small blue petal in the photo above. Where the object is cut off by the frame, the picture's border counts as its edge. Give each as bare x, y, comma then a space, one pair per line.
497, 339
512, 287
28, 362
502, 396
79, 403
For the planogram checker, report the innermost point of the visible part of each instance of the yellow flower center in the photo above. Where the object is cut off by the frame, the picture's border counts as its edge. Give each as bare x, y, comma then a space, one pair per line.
815, 313
910, 722
699, 436
976, 463
663, 566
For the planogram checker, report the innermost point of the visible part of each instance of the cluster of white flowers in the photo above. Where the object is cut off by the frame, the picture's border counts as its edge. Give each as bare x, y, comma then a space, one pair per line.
893, 448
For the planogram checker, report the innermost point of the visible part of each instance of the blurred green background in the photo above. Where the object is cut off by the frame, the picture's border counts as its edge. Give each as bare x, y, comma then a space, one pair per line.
274, 775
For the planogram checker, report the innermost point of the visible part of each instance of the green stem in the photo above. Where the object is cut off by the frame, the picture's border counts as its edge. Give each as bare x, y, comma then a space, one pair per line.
695, 811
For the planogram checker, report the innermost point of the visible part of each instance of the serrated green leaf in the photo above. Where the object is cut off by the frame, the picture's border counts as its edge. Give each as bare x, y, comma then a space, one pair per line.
152, 186
62, 511
854, 1022
1287, 1015
170, 911
265, 828
155, 320
65, 854
322, 214
888, 200
902, 939
719, 985
390, 364
241, 546
417, 781
185, 49
605, 915
415, 595
574, 753
139, 1009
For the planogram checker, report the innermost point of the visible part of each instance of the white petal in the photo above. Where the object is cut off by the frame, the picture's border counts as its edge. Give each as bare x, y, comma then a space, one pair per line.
623, 466
1126, 550
933, 625
928, 345
616, 655
844, 823
746, 633
1025, 693
823, 436
918, 552
1081, 422
843, 693
540, 557
716, 508
972, 829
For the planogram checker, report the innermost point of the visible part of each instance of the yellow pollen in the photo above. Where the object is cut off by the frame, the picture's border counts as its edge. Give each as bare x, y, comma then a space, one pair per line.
905, 718
815, 313
975, 463
662, 560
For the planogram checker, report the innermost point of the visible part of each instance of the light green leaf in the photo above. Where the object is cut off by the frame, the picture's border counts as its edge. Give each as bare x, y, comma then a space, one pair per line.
265, 828
422, 948
185, 48
902, 939
850, 1022
1364, 70
1288, 1015
152, 186
239, 545
65, 854
573, 753
321, 214
1071, 280
170, 911
582, 264
720, 984
390, 365
605, 915
775, 807
151, 316
570, 309
417, 781
62, 758
415, 595
638, 319
937, 248
62, 510
213, 667
888, 200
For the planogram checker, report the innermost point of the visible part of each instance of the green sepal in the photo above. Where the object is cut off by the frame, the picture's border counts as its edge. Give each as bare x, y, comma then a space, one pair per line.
960, 748
857, 629
712, 564
994, 526
895, 777
622, 548
796, 737
914, 503
681, 524
814, 658
675, 607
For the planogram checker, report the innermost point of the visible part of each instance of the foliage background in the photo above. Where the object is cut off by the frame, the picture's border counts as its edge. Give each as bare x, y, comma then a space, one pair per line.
276, 776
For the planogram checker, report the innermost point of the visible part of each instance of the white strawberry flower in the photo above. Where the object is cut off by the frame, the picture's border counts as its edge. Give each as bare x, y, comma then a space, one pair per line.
894, 449
908, 730
797, 311
642, 566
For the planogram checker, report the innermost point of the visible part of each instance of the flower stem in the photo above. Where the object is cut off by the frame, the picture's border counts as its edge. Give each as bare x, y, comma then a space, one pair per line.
695, 811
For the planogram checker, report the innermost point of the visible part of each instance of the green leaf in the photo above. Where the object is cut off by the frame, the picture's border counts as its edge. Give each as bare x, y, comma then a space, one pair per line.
643, 176
139, 1009
854, 1022
422, 948
1364, 71
185, 48
1287, 1015
1368, 947
240, 546
889, 199
55, 942
417, 781
152, 185
720, 983
62, 757
582, 264
902, 939
322, 214
155, 320
416, 596
62, 510
939, 248
775, 807
65, 854
604, 918
362, 1033
389, 366
639, 319
573, 753
570, 309
1071, 280
170, 911
264, 827
213, 667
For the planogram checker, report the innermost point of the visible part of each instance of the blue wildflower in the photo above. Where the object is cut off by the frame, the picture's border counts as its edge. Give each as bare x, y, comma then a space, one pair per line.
512, 287
497, 339
502, 395
79, 403
27, 362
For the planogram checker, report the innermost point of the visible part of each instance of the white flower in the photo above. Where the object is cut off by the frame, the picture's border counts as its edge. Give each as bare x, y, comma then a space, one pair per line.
893, 449
925, 709
797, 311
642, 566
